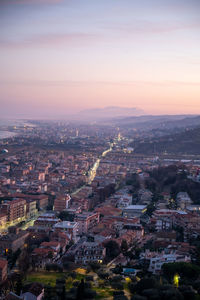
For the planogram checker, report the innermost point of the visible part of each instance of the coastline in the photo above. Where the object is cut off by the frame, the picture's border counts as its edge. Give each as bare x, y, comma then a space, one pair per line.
6, 134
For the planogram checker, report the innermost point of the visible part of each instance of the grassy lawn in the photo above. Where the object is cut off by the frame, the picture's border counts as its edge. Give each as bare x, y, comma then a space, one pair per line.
50, 278
104, 293
46, 278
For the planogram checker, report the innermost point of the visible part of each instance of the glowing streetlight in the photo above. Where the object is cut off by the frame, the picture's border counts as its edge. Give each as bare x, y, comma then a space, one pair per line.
176, 280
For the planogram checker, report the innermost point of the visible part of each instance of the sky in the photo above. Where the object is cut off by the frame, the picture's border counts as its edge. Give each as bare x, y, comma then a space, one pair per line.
58, 57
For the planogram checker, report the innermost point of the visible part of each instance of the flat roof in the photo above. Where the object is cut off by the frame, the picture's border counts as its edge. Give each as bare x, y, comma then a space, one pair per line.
136, 207
65, 224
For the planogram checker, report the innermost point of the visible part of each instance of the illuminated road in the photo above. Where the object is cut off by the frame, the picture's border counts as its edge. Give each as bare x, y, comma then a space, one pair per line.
93, 170
105, 152
92, 173
30, 222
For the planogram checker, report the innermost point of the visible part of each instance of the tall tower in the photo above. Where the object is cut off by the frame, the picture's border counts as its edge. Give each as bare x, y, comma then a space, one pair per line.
119, 136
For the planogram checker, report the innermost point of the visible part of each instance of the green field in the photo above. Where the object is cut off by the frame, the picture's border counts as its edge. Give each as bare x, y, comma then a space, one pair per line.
49, 278
45, 277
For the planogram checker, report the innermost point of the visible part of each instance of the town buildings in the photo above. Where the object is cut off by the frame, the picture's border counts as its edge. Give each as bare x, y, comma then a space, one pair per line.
156, 260
15, 210
134, 210
90, 252
94, 188
62, 203
86, 221
12, 241
70, 228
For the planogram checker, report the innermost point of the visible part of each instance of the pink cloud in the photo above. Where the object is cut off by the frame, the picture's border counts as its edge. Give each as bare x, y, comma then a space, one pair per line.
75, 83
9, 2
50, 39
147, 27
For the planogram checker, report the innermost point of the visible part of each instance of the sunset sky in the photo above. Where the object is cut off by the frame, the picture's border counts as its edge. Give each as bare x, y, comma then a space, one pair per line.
59, 57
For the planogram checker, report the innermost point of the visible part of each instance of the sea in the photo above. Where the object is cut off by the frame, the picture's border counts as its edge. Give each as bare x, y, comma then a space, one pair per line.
6, 134
7, 122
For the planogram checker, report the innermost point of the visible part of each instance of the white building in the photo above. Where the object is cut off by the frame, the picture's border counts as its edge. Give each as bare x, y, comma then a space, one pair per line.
183, 200
124, 201
71, 228
157, 261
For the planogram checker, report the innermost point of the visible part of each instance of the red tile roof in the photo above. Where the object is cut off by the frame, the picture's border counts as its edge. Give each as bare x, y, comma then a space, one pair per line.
3, 263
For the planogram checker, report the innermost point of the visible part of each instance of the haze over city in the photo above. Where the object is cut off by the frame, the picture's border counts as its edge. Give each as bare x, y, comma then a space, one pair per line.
60, 57
99, 149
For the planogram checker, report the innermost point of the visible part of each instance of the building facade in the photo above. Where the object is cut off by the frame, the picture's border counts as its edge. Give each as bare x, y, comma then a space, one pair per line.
90, 252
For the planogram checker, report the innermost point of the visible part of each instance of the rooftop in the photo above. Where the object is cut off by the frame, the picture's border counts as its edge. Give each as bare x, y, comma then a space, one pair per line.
65, 224
3, 263
136, 207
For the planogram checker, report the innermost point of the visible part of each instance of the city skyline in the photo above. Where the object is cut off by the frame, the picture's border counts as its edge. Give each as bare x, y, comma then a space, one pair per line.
61, 57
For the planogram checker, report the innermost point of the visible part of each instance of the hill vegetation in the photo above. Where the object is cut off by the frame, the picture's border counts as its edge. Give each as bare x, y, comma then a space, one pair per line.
174, 180
187, 142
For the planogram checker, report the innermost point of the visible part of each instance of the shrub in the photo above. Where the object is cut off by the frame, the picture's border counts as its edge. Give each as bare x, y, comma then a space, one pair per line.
89, 278
138, 297
95, 266
120, 297
88, 285
118, 293
89, 294
103, 275
117, 278
73, 290
151, 294
117, 285
145, 283
88, 269
73, 275
76, 283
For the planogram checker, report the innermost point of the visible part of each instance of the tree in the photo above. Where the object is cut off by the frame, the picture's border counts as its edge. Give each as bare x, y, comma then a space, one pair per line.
112, 249
60, 288
186, 270
124, 246
103, 275
187, 291
138, 297
49, 292
80, 290
137, 252
65, 216
143, 284
19, 285
24, 262
12, 257
95, 266
151, 184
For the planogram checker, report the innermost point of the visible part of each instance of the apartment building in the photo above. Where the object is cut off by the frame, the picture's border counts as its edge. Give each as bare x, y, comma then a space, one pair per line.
86, 221
90, 252
15, 210
71, 228
61, 203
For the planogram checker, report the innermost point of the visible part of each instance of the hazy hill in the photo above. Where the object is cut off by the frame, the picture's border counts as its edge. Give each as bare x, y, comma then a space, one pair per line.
109, 112
159, 122
186, 142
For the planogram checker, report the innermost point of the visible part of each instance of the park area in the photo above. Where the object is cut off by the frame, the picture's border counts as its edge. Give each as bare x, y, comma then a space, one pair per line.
96, 287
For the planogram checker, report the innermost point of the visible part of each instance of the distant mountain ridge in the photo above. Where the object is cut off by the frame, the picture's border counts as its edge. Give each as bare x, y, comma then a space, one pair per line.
110, 112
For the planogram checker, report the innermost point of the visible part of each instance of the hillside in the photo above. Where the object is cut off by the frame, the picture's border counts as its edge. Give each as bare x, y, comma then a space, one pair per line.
163, 122
187, 142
